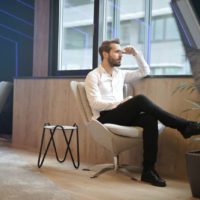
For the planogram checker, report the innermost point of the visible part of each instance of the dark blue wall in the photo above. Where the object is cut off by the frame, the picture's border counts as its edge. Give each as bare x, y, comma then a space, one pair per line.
16, 38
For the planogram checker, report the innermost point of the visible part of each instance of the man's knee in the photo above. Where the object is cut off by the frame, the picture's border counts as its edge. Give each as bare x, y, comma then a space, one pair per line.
141, 98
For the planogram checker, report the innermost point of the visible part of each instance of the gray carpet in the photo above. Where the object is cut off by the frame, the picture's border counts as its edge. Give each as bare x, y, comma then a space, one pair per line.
19, 180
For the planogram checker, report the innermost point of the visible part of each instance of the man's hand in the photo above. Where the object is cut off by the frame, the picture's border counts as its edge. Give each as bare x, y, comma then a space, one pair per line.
130, 50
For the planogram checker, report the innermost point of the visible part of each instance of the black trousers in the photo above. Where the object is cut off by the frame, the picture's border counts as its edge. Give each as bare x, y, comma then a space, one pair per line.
140, 111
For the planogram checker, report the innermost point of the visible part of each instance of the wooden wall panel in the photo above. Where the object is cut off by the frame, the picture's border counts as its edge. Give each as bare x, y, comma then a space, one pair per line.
41, 38
37, 101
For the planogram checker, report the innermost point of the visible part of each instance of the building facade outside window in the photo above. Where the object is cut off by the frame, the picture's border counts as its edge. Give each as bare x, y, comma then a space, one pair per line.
75, 34
167, 52
167, 56
131, 19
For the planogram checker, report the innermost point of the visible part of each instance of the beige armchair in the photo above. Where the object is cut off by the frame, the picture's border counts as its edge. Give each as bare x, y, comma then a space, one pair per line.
5, 90
114, 138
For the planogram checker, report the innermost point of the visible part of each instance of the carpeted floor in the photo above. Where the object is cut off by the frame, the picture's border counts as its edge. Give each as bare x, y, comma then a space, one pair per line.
19, 180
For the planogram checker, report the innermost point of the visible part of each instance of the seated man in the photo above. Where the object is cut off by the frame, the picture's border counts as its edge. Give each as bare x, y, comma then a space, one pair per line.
104, 88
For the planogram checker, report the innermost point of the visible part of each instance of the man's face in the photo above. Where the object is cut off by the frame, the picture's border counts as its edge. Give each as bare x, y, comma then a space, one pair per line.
115, 55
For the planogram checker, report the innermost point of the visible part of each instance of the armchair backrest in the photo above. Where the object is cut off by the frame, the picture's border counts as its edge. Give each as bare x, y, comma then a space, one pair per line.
5, 89
78, 90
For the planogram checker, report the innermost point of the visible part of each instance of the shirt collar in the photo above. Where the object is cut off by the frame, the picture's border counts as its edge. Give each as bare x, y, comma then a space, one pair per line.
102, 70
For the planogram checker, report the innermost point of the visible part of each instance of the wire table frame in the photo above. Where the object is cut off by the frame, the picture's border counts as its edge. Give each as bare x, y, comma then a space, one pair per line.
52, 131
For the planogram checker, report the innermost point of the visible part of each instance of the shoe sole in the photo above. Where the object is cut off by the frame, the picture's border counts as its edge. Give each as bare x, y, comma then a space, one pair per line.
154, 184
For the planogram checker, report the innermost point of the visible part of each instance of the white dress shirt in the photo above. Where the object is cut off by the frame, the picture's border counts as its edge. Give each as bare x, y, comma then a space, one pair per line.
105, 92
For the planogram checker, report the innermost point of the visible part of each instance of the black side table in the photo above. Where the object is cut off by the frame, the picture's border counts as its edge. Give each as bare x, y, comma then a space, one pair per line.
63, 129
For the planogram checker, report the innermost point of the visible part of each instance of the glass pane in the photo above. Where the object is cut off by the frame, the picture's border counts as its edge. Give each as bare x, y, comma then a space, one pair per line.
171, 29
72, 3
158, 29
76, 34
131, 26
167, 51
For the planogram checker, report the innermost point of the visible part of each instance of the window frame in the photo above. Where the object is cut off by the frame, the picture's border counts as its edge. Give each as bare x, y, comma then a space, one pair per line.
99, 34
54, 42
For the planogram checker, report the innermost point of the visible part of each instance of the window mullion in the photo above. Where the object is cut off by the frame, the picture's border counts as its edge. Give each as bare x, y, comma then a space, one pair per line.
102, 31
116, 19
60, 34
147, 21
103, 20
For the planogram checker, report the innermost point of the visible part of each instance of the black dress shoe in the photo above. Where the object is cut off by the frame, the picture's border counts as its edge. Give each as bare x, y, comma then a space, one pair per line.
152, 177
193, 128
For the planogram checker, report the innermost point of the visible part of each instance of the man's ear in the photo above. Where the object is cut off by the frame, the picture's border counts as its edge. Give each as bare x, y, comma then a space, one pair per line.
105, 54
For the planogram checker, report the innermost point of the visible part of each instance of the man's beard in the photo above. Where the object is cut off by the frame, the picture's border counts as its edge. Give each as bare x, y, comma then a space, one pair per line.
114, 63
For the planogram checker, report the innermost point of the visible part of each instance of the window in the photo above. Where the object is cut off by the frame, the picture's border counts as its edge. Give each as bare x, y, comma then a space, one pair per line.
157, 29
75, 35
162, 29
167, 52
80, 37
125, 30
123, 22
73, 3
171, 29
141, 32
130, 22
147, 25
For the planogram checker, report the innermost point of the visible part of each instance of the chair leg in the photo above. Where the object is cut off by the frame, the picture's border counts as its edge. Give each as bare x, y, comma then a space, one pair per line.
127, 170
116, 162
131, 168
102, 168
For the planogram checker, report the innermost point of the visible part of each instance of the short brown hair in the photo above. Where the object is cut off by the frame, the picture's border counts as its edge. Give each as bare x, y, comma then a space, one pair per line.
106, 46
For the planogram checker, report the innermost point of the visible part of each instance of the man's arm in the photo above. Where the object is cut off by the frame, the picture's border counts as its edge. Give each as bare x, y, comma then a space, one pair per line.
143, 68
94, 96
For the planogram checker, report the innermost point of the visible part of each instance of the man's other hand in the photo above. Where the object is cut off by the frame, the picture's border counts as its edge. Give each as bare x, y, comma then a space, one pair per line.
130, 50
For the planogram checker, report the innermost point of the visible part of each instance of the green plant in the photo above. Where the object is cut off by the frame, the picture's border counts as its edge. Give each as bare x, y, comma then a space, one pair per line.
190, 87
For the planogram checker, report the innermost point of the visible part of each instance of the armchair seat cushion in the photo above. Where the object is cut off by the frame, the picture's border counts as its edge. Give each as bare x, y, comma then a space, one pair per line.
129, 131
125, 131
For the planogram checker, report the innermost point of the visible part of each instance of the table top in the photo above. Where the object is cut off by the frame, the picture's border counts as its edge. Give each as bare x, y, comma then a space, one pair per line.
65, 127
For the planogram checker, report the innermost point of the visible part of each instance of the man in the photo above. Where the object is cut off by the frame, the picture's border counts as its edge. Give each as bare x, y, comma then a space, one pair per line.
104, 88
